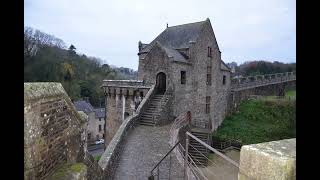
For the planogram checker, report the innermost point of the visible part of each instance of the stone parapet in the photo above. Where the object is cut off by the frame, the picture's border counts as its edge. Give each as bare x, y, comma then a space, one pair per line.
53, 130
112, 153
270, 160
123, 83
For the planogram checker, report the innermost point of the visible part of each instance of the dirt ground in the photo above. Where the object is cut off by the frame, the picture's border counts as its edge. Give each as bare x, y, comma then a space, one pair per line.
220, 169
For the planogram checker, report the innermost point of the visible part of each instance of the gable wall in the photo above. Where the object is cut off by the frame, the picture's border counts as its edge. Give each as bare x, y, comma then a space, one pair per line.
215, 91
155, 61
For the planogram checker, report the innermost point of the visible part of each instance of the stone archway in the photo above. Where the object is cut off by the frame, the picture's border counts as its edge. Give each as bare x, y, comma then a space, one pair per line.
161, 83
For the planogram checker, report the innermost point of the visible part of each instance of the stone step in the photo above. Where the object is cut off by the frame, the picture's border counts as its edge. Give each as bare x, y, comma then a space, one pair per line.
150, 114
200, 135
151, 109
196, 142
146, 124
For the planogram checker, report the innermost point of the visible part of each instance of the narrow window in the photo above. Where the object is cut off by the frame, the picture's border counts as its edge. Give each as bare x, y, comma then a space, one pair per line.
99, 119
208, 104
209, 52
99, 127
224, 80
209, 75
183, 77
89, 136
141, 94
103, 135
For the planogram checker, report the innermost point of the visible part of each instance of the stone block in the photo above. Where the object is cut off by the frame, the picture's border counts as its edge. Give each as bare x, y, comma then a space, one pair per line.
270, 160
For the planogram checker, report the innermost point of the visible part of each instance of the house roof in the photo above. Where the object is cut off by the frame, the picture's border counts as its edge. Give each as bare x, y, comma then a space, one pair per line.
100, 112
83, 106
177, 37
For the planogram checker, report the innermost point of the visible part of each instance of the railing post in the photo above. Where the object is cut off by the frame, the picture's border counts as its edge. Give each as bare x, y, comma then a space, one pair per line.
186, 157
158, 172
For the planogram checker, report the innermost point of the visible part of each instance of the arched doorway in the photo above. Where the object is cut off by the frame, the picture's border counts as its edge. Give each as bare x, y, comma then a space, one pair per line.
161, 83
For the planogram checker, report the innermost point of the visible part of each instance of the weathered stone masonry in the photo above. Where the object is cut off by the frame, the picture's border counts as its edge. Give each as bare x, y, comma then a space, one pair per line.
121, 97
53, 130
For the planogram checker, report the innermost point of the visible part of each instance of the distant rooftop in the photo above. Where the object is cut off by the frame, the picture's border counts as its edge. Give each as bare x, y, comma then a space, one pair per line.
100, 112
84, 106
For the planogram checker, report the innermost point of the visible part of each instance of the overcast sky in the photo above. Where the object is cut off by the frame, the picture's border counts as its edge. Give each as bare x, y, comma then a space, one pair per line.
110, 29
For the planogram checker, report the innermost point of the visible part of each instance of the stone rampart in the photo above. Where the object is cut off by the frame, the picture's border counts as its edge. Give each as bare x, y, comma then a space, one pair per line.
122, 97
110, 157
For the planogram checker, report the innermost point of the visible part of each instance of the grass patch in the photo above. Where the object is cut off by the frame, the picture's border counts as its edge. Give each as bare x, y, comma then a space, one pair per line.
97, 158
291, 93
262, 120
77, 167
66, 169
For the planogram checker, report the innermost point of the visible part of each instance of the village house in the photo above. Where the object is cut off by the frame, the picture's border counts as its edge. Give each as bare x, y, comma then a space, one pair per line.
96, 120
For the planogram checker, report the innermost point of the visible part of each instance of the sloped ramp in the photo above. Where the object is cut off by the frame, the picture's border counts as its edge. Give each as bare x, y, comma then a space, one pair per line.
143, 149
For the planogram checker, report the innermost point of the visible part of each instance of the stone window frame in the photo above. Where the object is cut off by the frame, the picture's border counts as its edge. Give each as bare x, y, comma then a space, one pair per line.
183, 77
208, 99
209, 76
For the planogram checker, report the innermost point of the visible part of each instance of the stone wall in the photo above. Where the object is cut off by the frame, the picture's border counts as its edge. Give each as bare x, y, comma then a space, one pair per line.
235, 97
217, 91
270, 160
121, 97
110, 157
53, 130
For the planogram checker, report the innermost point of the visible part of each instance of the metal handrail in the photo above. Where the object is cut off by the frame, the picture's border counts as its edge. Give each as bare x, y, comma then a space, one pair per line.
165, 156
214, 150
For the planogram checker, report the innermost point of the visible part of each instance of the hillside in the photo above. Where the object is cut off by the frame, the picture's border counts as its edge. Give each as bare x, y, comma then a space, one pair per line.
46, 59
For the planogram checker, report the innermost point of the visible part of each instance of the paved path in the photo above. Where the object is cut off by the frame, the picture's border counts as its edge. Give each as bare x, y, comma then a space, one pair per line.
144, 147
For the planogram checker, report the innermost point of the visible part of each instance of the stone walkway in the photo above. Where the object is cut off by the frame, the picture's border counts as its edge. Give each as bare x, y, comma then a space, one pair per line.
144, 147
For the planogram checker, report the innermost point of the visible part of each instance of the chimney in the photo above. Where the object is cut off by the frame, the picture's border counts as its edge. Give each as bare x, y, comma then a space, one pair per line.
140, 45
167, 25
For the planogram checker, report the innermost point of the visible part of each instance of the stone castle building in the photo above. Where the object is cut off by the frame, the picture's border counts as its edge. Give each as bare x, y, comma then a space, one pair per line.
183, 65
187, 59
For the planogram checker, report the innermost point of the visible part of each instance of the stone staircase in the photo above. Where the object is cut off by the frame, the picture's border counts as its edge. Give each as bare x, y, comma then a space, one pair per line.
151, 111
198, 153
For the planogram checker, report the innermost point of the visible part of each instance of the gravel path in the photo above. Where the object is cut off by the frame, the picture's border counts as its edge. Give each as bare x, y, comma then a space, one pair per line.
144, 147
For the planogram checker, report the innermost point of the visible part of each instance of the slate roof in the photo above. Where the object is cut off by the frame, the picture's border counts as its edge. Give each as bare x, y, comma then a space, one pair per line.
177, 37
83, 106
224, 66
100, 112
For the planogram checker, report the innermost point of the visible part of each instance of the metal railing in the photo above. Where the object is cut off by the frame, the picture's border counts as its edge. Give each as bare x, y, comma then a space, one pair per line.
157, 166
261, 80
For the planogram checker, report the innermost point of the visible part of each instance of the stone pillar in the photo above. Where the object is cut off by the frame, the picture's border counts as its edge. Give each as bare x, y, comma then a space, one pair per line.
268, 161
115, 114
